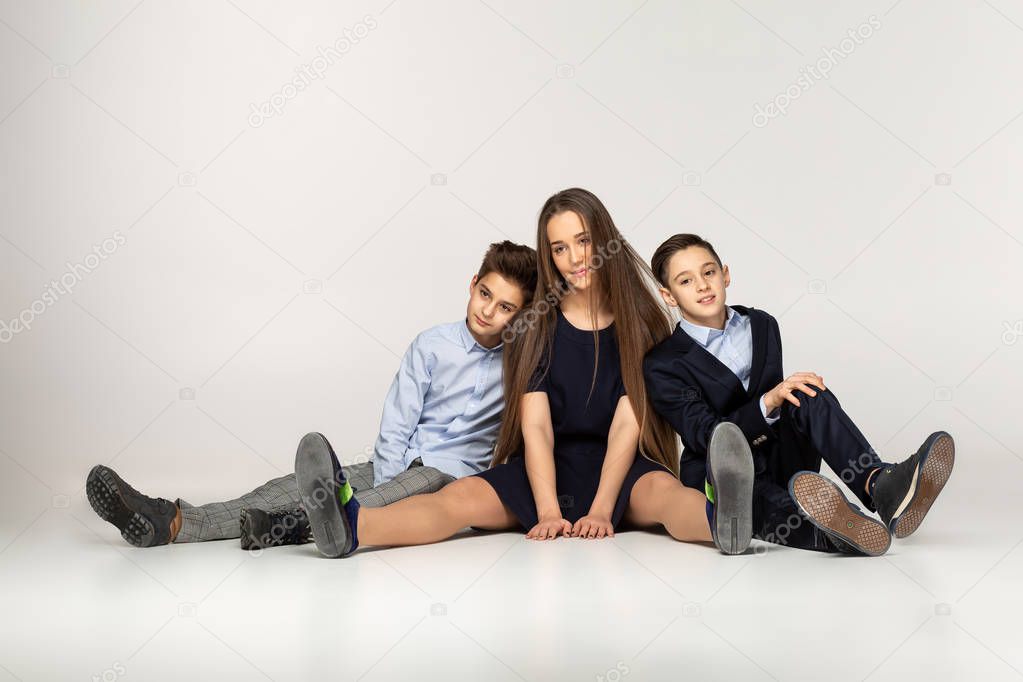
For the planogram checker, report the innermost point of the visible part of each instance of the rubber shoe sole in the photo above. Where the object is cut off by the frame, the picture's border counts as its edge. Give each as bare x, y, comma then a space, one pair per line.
103, 492
730, 472
314, 471
248, 521
933, 471
828, 509
261, 529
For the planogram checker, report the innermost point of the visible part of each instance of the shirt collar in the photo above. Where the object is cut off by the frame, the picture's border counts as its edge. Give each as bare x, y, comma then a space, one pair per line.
469, 341
703, 335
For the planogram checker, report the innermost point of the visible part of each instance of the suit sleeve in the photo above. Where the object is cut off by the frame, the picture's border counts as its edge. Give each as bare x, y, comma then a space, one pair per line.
777, 338
775, 415
680, 401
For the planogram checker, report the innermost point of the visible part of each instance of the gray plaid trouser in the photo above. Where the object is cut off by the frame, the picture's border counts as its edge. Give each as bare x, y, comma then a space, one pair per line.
222, 520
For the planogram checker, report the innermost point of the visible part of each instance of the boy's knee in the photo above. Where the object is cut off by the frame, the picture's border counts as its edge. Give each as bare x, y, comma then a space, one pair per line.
439, 482
827, 398
822, 401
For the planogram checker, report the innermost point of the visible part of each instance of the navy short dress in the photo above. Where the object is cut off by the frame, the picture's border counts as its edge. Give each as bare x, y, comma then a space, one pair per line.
581, 422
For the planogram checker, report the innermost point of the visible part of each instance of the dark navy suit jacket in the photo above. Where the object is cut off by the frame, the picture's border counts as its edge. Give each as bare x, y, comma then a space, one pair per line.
694, 391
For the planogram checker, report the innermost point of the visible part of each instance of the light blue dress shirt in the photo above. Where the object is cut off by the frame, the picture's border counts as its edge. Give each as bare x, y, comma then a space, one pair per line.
444, 406
733, 346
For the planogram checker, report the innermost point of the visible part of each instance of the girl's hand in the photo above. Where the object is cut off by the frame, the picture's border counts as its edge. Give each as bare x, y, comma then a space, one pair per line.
593, 526
549, 529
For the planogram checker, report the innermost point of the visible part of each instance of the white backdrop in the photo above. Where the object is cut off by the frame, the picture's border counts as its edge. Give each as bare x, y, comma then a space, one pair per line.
260, 204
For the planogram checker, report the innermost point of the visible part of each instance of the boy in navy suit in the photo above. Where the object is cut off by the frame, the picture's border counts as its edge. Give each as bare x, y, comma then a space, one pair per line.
724, 364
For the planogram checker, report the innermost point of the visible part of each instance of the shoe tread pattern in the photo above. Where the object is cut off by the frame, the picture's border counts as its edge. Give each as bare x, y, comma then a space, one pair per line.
827, 507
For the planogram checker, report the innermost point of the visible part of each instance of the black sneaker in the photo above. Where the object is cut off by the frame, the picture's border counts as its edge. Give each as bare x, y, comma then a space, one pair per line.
730, 488
849, 529
143, 521
904, 492
262, 529
327, 497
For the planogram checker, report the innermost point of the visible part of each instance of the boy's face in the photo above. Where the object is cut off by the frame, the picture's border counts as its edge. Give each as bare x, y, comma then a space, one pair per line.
570, 249
493, 301
696, 286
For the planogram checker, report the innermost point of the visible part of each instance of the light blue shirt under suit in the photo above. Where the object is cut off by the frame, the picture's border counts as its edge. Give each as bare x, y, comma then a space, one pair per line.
732, 346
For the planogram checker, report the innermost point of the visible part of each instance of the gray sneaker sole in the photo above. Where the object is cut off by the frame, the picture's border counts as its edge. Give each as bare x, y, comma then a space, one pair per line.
730, 469
314, 473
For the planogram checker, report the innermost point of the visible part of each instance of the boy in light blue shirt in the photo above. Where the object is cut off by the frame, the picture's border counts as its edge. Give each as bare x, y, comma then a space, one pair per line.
440, 422
444, 405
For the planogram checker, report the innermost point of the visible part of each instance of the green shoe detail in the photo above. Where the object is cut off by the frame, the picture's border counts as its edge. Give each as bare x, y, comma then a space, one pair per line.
709, 490
345, 493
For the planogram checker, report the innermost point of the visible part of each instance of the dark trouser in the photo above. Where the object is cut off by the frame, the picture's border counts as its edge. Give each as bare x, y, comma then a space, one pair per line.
819, 429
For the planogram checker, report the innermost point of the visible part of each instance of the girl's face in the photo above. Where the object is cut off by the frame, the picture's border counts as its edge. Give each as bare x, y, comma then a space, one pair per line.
571, 249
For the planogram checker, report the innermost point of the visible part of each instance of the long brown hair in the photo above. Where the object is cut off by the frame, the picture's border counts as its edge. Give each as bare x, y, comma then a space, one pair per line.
640, 322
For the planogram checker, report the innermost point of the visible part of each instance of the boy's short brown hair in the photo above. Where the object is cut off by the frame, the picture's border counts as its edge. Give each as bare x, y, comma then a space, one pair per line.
671, 246
514, 262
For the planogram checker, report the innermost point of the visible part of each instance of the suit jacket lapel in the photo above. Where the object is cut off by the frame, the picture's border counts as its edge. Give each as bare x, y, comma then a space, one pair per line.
705, 362
758, 328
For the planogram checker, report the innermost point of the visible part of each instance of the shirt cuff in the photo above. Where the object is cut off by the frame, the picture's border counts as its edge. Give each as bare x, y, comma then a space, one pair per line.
769, 418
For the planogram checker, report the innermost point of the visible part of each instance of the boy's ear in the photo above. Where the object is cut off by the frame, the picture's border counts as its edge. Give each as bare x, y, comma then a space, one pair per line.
727, 274
472, 283
668, 298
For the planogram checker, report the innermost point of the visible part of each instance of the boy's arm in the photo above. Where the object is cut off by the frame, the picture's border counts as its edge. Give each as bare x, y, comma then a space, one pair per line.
680, 402
402, 408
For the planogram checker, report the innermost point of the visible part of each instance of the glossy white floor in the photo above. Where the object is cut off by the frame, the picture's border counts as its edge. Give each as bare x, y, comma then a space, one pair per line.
943, 604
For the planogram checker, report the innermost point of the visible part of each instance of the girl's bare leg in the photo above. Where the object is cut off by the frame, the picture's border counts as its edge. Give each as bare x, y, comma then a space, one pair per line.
658, 498
423, 519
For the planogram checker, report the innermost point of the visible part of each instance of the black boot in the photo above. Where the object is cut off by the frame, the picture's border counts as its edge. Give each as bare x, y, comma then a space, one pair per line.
903, 493
143, 521
262, 529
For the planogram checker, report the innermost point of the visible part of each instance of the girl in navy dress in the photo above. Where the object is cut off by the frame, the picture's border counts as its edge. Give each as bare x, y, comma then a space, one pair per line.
580, 449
